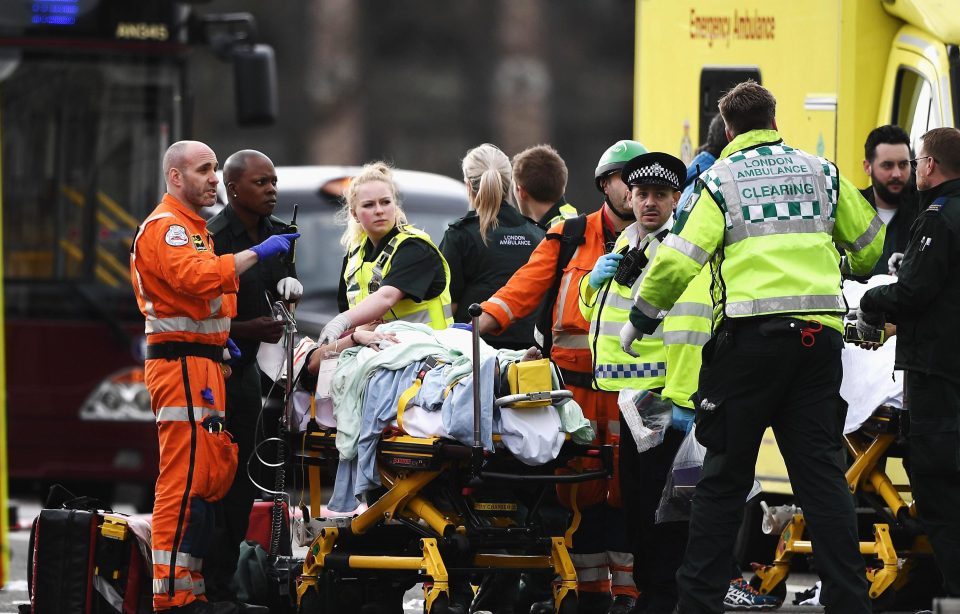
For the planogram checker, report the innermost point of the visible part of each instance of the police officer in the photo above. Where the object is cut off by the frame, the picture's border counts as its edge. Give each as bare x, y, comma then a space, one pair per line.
251, 184
187, 296
486, 246
766, 216
923, 304
666, 364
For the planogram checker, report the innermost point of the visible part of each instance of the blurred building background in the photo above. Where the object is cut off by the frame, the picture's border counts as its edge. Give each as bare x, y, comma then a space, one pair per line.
419, 82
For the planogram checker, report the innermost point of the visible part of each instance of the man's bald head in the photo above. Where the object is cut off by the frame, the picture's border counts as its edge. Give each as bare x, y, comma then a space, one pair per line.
190, 172
236, 164
180, 155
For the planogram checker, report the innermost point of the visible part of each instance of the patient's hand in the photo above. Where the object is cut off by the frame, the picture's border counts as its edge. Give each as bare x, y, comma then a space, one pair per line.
372, 339
532, 354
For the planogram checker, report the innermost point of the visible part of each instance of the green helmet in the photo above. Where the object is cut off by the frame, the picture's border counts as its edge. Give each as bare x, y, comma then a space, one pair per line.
615, 157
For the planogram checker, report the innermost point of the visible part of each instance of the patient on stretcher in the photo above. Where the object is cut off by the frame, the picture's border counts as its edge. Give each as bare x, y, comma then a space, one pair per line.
430, 374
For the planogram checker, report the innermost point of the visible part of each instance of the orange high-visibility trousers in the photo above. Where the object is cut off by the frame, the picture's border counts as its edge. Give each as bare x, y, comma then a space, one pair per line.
599, 552
196, 468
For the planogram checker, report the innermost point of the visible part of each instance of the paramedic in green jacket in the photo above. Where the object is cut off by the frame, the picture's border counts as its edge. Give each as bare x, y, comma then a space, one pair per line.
766, 217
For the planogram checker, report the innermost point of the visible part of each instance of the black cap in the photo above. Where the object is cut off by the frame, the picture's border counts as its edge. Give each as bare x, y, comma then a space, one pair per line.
655, 168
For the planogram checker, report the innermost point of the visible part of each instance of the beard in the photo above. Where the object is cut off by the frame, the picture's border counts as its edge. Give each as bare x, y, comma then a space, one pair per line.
885, 194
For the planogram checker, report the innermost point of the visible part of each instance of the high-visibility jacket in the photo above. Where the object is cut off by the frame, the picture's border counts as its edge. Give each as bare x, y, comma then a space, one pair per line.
523, 293
767, 215
557, 214
607, 308
184, 290
364, 278
670, 356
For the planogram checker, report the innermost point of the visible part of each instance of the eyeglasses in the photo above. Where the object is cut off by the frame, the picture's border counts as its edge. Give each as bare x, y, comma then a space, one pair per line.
915, 161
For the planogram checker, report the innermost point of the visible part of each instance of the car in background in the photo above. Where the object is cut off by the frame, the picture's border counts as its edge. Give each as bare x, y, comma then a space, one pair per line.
431, 201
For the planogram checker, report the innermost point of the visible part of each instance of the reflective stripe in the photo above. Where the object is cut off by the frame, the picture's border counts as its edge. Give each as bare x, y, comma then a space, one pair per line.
197, 587
646, 308
147, 301
642, 369
620, 560
618, 301
623, 578
613, 427
591, 574
687, 248
776, 227
447, 311
688, 337
503, 305
786, 304
562, 300
417, 317
691, 309
590, 559
866, 238
215, 305
183, 324
570, 341
612, 329
179, 414
162, 557
108, 592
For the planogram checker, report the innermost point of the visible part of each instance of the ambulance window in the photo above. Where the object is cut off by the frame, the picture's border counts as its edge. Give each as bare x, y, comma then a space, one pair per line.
915, 107
715, 81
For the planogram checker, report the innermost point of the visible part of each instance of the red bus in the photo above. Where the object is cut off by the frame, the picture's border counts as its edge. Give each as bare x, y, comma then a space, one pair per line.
91, 94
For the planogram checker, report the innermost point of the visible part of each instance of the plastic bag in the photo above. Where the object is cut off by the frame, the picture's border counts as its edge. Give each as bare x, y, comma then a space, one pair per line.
677, 498
647, 415
682, 480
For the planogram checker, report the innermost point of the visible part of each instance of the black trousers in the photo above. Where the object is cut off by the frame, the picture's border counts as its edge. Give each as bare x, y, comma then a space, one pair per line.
757, 374
657, 548
933, 405
233, 518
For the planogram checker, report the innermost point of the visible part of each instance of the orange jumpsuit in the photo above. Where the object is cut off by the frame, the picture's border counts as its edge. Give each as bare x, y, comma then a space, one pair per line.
571, 353
187, 295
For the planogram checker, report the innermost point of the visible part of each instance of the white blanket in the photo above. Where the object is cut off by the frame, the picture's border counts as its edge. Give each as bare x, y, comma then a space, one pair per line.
869, 379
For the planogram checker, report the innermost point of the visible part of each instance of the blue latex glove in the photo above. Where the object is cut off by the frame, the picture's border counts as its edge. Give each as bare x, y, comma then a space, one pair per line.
231, 353
605, 268
462, 326
681, 419
274, 245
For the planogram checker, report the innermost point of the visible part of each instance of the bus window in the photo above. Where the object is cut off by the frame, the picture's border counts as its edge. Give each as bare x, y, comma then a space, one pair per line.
82, 145
915, 107
715, 81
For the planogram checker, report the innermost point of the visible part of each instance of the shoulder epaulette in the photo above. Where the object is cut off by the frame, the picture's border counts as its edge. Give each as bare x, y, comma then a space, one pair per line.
937, 204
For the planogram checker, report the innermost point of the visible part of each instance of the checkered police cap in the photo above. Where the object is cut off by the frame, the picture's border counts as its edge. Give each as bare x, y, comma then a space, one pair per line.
655, 168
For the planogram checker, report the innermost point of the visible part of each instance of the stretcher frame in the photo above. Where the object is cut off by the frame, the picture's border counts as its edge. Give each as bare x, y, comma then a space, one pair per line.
452, 542
869, 446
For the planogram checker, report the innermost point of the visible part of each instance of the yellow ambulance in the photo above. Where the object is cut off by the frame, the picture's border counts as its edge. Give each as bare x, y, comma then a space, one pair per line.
839, 68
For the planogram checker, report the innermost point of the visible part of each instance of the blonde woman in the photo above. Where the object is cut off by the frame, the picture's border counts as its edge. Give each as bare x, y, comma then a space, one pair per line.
488, 244
391, 271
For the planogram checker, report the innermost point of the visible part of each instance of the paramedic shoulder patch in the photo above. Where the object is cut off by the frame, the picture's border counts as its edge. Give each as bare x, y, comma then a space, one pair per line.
198, 243
176, 236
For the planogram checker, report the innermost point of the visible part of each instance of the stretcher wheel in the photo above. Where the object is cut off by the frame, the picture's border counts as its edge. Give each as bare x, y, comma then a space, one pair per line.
568, 605
779, 591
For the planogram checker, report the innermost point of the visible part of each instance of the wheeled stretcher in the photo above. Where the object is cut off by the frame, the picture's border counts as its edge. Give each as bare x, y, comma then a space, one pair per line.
446, 511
